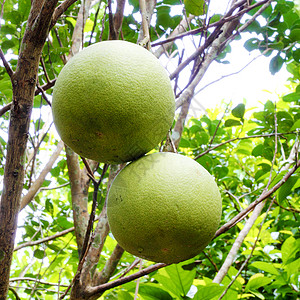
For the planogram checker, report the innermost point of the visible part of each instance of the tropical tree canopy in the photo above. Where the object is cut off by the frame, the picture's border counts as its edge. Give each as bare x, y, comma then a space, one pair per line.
55, 241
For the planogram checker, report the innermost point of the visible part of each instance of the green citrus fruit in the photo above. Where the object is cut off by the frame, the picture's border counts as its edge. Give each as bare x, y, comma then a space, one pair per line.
164, 207
113, 102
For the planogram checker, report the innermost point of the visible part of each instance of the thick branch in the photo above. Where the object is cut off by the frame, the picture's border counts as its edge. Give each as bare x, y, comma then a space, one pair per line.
77, 38
146, 10
23, 81
38, 183
88, 272
118, 17
237, 243
187, 95
110, 266
79, 192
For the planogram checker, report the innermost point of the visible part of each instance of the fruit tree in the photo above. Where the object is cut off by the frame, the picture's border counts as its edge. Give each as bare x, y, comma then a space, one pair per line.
216, 218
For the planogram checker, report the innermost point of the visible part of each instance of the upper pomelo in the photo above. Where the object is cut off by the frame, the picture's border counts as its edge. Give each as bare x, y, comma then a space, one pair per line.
164, 207
113, 102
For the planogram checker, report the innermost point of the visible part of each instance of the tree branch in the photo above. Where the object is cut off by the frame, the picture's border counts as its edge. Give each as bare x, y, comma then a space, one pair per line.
60, 10
35, 280
5, 109
44, 240
109, 267
77, 37
261, 198
23, 82
240, 138
45, 87
176, 33
250, 255
6, 64
215, 40
146, 10
90, 291
118, 17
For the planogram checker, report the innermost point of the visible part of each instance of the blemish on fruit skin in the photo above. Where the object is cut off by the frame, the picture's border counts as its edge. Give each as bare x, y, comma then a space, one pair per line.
140, 249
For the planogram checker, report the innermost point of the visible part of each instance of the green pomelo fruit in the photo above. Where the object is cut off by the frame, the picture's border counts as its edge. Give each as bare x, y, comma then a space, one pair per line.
164, 207
113, 102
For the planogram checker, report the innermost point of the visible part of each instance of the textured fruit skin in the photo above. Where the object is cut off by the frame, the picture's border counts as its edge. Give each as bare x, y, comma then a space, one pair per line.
164, 207
113, 102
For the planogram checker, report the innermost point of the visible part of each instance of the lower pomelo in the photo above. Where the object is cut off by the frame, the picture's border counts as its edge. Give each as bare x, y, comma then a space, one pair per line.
113, 102
164, 207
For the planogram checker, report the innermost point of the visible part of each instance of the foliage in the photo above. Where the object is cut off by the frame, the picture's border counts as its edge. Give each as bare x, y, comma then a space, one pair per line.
246, 149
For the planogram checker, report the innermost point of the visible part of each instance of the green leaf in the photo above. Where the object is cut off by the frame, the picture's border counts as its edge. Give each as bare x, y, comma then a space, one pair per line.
286, 188
258, 150
232, 122
184, 143
207, 292
206, 161
296, 125
39, 254
194, 7
175, 279
295, 35
239, 111
292, 97
276, 64
124, 295
220, 171
151, 291
289, 249
296, 55
256, 281
266, 267
251, 44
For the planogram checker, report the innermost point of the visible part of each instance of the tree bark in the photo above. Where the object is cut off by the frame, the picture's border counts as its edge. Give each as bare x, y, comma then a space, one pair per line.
23, 82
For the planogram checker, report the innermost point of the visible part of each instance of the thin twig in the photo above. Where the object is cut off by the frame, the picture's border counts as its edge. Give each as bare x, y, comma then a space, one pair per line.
60, 10
95, 22
45, 87
233, 73
1, 13
43, 94
92, 215
290, 209
241, 138
6, 64
34, 279
44, 69
5, 109
44, 240
138, 282
15, 293
261, 198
